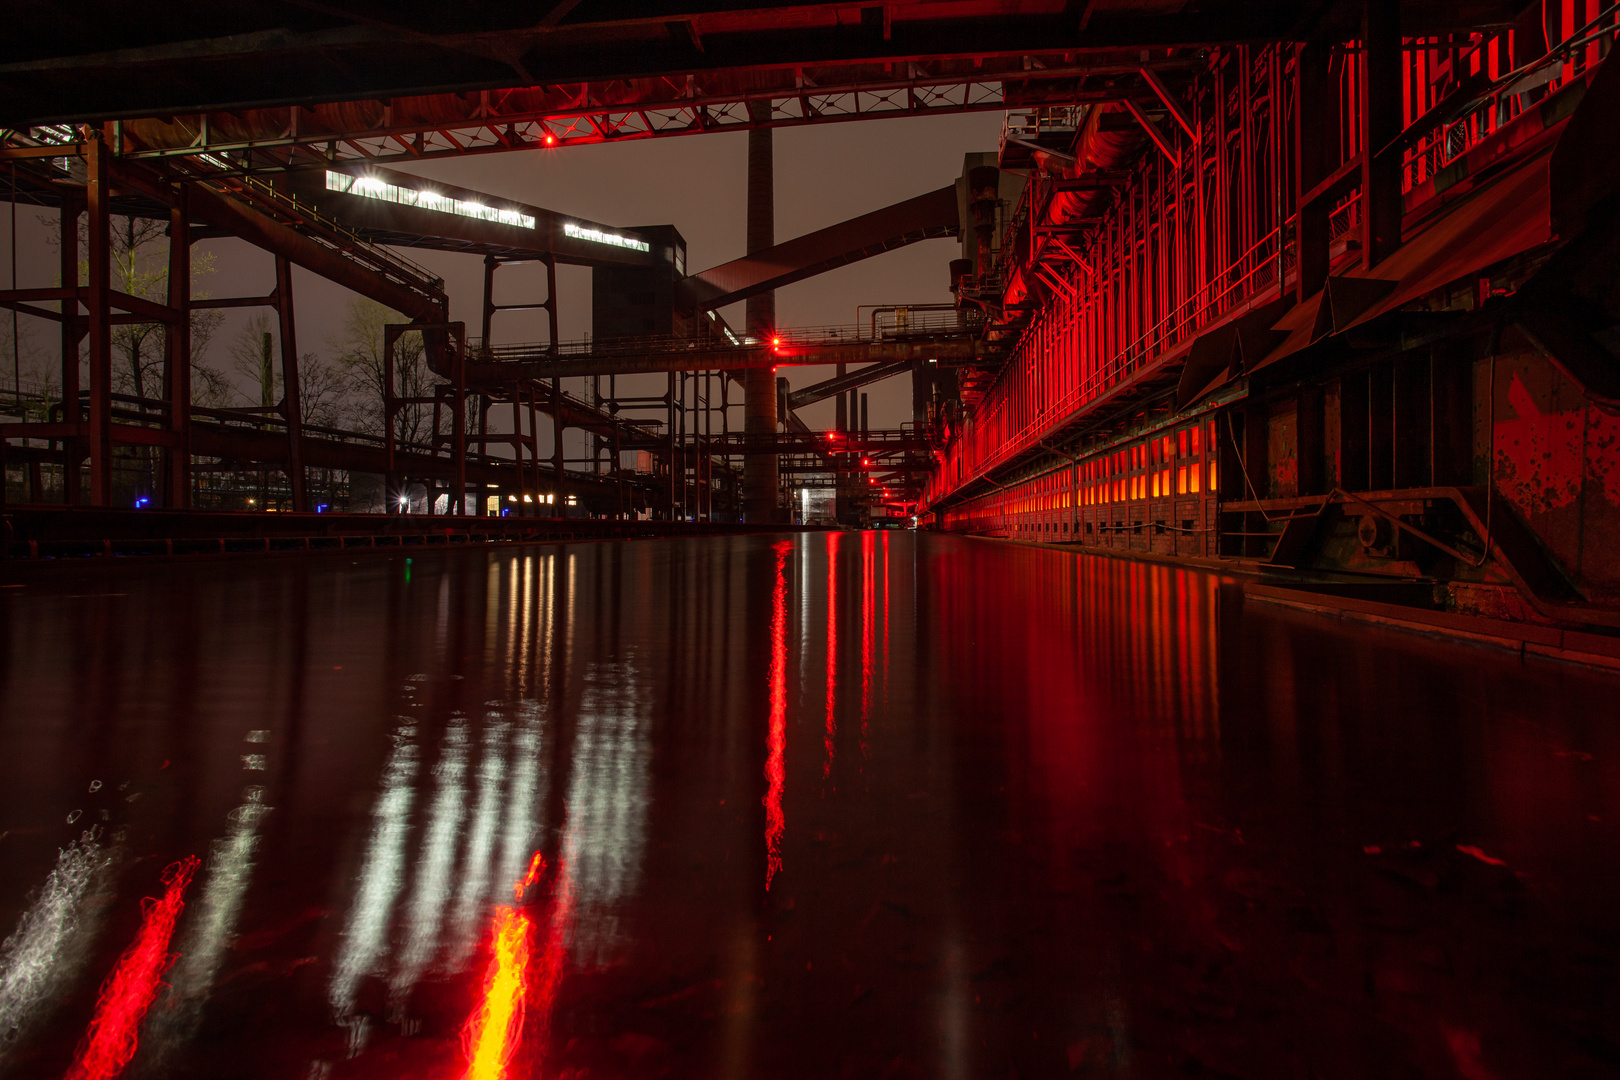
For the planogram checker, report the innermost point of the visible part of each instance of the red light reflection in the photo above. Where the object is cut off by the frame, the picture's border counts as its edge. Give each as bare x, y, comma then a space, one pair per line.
868, 602
492, 1034
832, 650
495, 1028
554, 957
775, 769
111, 1040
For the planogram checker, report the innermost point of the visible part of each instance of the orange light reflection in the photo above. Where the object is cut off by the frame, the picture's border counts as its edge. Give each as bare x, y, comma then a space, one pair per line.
492, 1033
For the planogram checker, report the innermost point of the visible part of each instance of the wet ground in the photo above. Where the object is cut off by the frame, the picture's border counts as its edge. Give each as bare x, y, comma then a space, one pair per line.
858, 805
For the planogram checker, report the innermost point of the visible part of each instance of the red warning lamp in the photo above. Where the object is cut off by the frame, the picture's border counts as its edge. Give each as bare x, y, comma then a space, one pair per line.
551, 140
866, 462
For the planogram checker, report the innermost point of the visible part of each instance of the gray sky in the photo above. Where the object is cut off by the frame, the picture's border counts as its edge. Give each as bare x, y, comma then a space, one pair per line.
824, 175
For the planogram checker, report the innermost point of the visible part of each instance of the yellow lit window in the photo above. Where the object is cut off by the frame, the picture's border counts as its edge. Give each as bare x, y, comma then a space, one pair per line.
1181, 480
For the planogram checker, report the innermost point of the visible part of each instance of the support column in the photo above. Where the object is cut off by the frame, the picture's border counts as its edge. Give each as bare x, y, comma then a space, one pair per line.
177, 357
760, 471
458, 428
556, 441
98, 298
1380, 126
72, 331
291, 399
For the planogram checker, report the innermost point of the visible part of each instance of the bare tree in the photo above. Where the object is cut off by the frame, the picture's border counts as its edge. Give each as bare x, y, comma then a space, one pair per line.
325, 388
359, 350
140, 267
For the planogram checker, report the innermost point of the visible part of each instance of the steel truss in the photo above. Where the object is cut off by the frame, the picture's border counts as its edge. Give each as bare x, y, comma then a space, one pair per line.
392, 131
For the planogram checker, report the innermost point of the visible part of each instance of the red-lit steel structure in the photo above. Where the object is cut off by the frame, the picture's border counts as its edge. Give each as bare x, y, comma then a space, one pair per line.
1332, 310
1324, 294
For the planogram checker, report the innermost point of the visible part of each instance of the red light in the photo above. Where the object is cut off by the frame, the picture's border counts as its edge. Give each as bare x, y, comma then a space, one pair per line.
551, 140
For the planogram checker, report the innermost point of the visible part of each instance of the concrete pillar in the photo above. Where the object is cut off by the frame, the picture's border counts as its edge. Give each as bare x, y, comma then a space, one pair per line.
759, 384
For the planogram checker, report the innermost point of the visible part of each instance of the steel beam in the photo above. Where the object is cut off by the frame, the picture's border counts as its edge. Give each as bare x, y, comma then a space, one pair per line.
931, 216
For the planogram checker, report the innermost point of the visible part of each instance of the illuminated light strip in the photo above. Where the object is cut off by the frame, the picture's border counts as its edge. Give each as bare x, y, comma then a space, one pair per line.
775, 767
369, 187
111, 1039
597, 236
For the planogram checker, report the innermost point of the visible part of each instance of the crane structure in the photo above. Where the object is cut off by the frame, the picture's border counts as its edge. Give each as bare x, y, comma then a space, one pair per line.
1321, 294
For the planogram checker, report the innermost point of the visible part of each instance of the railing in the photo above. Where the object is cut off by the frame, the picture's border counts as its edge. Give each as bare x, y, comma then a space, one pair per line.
1154, 271
1464, 94
919, 325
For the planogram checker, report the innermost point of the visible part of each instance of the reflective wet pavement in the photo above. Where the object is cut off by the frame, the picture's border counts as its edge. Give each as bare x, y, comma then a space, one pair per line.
644, 809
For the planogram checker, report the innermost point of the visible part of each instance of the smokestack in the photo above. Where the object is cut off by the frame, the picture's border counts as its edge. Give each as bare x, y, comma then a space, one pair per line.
760, 472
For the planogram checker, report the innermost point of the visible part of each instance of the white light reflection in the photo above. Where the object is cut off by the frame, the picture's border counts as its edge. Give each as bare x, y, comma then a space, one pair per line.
523, 794
213, 922
955, 1015
607, 806
468, 920
51, 937
382, 872
431, 894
